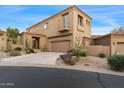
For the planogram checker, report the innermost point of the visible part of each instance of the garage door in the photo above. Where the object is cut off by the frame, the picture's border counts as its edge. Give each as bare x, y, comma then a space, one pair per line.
120, 48
60, 46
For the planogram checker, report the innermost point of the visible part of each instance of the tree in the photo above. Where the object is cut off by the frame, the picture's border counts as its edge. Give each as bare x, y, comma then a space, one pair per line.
13, 34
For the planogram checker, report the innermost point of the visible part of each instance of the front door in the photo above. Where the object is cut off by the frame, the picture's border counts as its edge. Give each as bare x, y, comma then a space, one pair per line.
35, 42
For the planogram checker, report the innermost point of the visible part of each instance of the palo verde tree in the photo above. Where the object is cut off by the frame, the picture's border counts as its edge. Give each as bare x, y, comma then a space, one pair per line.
13, 34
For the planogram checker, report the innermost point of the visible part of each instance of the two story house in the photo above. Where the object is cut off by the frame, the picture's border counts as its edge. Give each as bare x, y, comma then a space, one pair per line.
58, 33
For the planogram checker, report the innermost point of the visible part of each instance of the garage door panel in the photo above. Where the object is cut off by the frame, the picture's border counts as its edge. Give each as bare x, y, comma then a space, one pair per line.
60, 46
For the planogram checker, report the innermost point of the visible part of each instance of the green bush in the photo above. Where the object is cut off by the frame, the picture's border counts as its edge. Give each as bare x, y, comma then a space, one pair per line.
83, 54
116, 62
101, 55
18, 49
78, 52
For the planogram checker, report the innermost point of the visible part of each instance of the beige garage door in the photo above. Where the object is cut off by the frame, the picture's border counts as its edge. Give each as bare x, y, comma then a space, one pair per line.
60, 46
120, 48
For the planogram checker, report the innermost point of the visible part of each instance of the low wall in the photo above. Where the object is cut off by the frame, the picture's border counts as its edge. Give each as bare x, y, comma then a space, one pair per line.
94, 50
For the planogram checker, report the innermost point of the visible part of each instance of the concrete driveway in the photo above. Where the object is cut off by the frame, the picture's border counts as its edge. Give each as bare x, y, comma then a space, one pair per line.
47, 58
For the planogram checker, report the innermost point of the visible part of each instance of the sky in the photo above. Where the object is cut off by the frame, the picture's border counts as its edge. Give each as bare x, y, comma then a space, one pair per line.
105, 18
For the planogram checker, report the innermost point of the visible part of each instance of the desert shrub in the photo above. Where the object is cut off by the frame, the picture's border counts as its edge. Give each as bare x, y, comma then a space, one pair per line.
83, 54
15, 53
116, 62
18, 49
78, 52
101, 55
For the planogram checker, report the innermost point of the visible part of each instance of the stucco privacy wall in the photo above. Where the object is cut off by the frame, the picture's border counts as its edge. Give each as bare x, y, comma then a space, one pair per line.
94, 50
81, 31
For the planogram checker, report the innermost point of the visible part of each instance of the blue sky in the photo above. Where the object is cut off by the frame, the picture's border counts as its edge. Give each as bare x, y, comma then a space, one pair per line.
105, 18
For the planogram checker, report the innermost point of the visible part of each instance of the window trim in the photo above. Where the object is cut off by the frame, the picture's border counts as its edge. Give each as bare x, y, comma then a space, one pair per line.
80, 20
65, 19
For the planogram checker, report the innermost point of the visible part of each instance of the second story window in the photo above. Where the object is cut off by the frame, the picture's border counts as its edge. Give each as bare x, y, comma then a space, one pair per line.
80, 20
46, 26
65, 20
87, 23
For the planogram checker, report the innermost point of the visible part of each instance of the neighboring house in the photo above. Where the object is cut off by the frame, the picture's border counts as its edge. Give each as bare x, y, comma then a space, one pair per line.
115, 40
58, 33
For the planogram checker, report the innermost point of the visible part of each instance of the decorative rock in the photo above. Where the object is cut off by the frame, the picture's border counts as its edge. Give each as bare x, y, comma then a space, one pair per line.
67, 58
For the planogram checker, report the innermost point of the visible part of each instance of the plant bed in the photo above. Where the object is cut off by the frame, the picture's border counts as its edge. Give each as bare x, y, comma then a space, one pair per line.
15, 53
101, 55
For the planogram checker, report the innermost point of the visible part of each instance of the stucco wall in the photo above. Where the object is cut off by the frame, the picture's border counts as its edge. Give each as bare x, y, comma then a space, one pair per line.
81, 31
54, 25
94, 50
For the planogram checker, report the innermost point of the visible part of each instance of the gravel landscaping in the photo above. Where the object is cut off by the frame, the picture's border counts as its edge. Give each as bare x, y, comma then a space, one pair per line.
91, 63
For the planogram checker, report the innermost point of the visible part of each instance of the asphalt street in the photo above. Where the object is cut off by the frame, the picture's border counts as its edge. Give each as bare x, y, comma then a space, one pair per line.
42, 77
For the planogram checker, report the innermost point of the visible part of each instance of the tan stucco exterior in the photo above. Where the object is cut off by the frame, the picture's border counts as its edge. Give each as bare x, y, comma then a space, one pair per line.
114, 40
56, 31
27, 37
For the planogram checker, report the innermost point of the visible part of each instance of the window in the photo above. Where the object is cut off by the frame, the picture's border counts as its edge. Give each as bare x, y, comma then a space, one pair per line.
65, 20
46, 26
87, 22
80, 20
